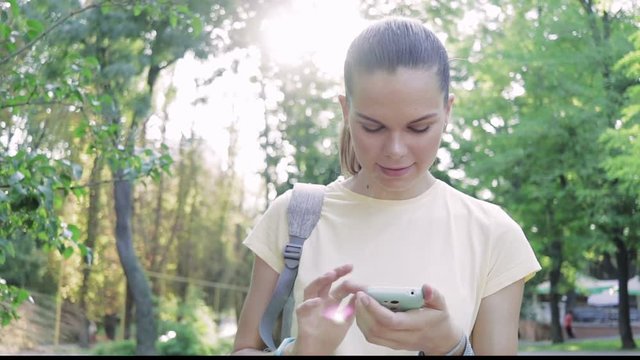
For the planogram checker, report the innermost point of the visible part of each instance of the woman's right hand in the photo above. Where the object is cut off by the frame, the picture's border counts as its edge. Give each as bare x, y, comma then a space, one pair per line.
322, 323
429, 329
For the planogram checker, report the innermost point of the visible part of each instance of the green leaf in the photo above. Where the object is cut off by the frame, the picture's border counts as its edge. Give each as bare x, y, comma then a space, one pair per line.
5, 31
183, 9
34, 27
11, 47
92, 61
79, 191
75, 232
173, 19
15, 9
196, 23
137, 9
16, 178
77, 95
67, 252
21, 296
11, 251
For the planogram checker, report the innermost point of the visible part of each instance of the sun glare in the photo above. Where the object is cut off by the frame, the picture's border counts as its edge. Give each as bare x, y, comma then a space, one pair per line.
319, 30
316, 29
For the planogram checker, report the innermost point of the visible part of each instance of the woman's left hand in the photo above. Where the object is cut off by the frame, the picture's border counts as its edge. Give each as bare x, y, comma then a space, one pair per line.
429, 329
322, 323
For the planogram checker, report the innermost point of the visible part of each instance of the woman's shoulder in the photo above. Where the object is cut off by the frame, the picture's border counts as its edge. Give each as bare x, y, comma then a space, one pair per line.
473, 204
279, 204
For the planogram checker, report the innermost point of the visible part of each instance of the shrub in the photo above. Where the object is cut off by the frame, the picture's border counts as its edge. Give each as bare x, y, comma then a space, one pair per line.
119, 347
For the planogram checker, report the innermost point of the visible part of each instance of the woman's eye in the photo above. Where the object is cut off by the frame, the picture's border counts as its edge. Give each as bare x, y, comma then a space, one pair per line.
420, 129
372, 129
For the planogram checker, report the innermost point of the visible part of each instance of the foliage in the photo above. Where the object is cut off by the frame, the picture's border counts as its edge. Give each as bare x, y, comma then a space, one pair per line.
10, 299
119, 347
223, 347
181, 339
35, 189
527, 131
582, 345
622, 142
538, 128
128, 348
187, 328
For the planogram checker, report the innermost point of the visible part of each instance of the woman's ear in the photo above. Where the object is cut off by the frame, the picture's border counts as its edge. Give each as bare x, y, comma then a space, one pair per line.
344, 104
447, 110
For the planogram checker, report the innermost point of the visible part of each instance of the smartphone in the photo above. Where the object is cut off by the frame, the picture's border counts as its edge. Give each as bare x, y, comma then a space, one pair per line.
397, 298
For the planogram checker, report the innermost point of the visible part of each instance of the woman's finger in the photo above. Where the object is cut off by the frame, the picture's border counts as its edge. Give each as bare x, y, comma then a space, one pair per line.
321, 285
308, 307
433, 299
339, 272
346, 288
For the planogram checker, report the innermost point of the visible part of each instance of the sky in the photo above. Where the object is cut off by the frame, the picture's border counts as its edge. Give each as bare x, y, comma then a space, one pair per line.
288, 35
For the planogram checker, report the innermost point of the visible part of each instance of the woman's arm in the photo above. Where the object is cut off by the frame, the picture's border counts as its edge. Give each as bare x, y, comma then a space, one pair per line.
263, 281
318, 331
496, 329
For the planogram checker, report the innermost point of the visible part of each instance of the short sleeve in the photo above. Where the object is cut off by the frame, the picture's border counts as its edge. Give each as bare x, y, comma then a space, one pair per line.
270, 234
512, 257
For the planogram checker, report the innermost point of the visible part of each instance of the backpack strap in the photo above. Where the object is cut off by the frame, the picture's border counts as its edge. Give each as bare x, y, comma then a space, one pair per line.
303, 213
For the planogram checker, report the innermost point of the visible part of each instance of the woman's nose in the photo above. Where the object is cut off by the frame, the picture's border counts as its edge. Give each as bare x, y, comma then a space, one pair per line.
395, 146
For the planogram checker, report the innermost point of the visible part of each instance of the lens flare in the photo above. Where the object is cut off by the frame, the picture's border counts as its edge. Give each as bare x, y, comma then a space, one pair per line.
338, 313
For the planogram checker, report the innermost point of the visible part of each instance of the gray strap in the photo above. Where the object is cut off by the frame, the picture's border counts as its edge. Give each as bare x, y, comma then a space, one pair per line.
287, 317
303, 213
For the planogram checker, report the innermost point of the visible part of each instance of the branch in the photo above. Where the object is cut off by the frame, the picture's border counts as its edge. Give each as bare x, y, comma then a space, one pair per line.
40, 103
47, 31
36, 144
89, 184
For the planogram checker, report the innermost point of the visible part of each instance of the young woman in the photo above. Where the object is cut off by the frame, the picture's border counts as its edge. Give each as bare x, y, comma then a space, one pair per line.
392, 223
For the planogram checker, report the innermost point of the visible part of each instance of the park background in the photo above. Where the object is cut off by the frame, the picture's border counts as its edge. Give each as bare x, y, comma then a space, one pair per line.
141, 140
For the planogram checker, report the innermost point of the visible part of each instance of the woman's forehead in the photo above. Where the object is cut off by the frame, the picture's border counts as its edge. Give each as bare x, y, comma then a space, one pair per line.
418, 83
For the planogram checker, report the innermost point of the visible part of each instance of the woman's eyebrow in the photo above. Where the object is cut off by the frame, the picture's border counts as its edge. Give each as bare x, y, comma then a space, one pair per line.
424, 117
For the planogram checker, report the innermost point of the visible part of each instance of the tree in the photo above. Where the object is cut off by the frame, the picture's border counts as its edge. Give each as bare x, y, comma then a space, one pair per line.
528, 129
118, 44
34, 180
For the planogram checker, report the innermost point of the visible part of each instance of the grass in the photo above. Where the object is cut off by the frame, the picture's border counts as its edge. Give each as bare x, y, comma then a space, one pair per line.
603, 344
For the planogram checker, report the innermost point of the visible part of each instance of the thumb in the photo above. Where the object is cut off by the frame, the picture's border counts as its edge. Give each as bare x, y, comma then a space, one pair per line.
433, 299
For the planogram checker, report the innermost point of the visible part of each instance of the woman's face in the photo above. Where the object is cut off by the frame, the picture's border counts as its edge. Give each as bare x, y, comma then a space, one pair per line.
396, 122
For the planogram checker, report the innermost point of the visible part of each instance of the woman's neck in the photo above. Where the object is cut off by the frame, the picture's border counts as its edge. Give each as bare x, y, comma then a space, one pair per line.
362, 184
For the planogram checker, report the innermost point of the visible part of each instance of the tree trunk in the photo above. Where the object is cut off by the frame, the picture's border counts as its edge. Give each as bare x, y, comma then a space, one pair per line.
602, 39
136, 279
128, 313
92, 231
624, 323
554, 280
157, 264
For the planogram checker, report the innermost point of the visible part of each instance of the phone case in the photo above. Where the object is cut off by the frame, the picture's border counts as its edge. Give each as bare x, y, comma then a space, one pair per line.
398, 298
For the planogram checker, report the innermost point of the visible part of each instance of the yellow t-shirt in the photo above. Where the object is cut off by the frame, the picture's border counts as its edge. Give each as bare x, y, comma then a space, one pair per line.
464, 247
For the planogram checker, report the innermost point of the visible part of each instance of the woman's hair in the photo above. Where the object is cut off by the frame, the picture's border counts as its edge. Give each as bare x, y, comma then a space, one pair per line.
388, 45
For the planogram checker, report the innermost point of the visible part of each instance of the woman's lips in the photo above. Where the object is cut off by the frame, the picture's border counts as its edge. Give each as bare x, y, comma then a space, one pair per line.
395, 172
